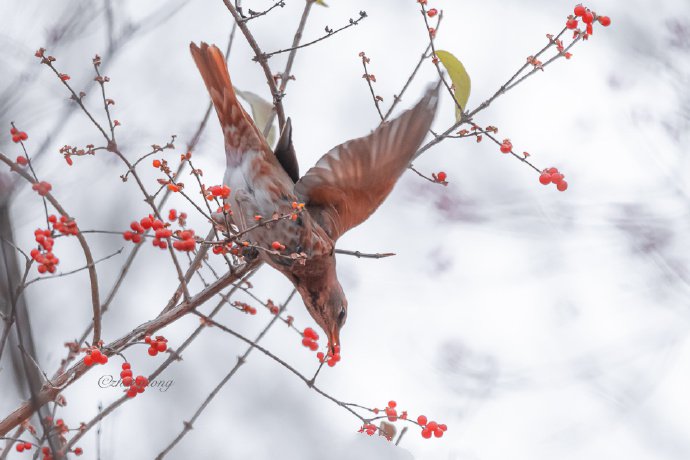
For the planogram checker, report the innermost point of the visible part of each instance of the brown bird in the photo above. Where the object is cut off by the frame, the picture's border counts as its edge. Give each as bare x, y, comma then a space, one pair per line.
340, 192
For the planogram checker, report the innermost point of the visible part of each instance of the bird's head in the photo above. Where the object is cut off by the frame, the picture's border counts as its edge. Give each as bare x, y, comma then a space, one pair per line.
328, 306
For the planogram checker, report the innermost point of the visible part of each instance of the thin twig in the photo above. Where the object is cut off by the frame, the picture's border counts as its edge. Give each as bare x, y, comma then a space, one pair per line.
362, 255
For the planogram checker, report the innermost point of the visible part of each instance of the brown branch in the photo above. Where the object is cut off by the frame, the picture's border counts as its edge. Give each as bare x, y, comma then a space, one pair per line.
175, 355
277, 96
76, 371
285, 76
93, 277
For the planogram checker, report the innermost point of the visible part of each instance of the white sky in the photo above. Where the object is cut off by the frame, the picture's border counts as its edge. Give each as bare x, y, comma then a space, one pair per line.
535, 324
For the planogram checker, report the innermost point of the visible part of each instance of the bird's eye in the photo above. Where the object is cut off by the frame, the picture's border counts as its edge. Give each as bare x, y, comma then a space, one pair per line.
341, 316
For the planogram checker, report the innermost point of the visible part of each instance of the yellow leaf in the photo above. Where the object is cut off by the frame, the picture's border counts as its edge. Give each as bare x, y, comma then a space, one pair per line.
459, 77
321, 2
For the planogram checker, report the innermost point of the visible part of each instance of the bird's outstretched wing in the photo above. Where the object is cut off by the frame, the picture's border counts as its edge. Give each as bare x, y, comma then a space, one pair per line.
241, 135
351, 181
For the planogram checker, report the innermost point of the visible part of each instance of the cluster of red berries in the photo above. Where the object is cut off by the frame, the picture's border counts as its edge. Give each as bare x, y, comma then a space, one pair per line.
186, 242
588, 17
220, 191
552, 176
94, 356
42, 188
157, 344
148, 222
46, 259
368, 428
309, 338
64, 225
431, 428
22, 446
278, 246
135, 385
331, 358
18, 136
223, 249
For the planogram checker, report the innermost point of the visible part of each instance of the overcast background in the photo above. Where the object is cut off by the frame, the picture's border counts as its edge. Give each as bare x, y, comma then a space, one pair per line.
535, 324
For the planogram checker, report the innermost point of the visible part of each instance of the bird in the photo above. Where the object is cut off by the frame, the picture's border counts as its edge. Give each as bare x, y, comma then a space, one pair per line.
343, 188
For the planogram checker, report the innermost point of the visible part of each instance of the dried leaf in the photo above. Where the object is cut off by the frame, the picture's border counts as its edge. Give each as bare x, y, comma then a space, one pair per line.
460, 78
321, 2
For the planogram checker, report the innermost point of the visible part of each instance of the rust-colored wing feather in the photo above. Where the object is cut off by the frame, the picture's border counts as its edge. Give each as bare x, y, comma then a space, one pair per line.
351, 181
241, 135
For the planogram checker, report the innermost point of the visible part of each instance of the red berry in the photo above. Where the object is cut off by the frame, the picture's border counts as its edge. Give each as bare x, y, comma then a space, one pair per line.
127, 381
562, 186
277, 246
604, 21
156, 163
588, 17
141, 381
426, 433
20, 447
126, 366
392, 404
153, 351
22, 160
78, 451
443, 427
14, 131
438, 432
432, 12
442, 176
27, 446
161, 346
579, 10
16, 138
131, 393
590, 29
545, 178
552, 170
556, 177
422, 420
571, 23
506, 146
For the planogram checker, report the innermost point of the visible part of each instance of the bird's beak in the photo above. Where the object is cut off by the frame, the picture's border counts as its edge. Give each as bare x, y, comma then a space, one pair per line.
334, 340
